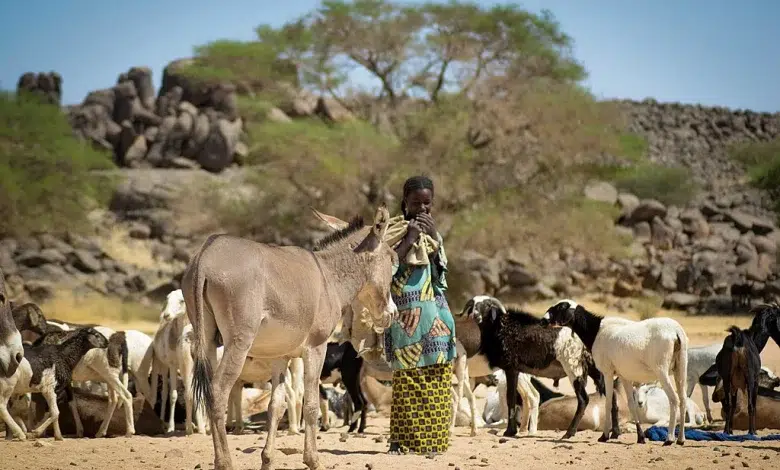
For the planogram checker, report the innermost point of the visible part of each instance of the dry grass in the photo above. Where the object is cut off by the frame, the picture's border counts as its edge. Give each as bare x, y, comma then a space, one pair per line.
102, 310
121, 247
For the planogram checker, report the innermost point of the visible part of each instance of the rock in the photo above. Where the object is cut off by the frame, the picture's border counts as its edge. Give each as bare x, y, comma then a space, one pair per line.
517, 276
662, 235
601, 191
680, 300
84, 261
642, 231
627, 202
694, 224
33, 259
277, 115
140, 231
646, 211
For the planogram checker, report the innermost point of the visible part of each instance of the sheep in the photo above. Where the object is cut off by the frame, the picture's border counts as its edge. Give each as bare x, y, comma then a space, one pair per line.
108, 365
47, 369
635, 351
516, 341
738, 364
653, 406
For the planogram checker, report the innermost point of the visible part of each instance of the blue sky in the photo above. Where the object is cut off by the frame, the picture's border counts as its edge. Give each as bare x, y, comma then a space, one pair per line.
713, 52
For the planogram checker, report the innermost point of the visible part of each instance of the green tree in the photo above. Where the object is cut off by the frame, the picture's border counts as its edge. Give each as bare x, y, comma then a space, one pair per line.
45, 179
487, 100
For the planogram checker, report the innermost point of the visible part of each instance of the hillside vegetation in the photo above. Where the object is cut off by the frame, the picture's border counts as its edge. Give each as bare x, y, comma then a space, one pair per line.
45, 185
487, 101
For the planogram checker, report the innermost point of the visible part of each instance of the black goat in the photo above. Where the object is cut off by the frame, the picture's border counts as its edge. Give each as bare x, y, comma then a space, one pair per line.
516, 341
343, 363
739, 363
765, 325
741, 295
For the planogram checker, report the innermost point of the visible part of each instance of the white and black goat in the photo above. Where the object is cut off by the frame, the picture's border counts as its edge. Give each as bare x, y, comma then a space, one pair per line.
343, 363
516, 341
47, 369
101, 364
637, 352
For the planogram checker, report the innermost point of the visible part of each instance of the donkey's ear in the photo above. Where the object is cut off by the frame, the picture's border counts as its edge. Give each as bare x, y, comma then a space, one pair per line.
381, 221
333, 222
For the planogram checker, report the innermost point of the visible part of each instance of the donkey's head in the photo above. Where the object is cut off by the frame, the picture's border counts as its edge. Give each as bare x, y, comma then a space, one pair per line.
174, 306
381, 263
11, 350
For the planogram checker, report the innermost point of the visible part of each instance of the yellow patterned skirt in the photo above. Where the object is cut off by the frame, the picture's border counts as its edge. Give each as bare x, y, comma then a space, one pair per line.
422, 409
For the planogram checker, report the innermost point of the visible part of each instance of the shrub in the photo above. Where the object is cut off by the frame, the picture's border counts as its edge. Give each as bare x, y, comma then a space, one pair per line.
670, 185
762, 161
45, 180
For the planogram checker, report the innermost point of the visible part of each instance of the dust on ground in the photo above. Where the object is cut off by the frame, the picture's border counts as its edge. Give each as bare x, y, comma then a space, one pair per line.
489, 449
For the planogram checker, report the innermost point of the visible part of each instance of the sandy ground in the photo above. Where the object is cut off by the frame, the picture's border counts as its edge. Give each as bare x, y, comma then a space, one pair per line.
488, 449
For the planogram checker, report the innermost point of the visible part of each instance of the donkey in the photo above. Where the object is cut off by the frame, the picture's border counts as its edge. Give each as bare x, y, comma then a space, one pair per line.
279, 302
11, 349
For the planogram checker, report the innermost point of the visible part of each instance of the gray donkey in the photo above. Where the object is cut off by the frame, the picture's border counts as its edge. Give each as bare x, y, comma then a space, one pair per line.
279, 302
11, 350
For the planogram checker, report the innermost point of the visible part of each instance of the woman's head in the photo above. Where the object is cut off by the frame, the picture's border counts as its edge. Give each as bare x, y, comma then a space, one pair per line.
418, 196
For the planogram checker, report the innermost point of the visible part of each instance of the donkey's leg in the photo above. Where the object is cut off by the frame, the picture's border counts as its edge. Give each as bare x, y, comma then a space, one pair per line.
313, 359
235, 350
187, 364
10, 425
278, 394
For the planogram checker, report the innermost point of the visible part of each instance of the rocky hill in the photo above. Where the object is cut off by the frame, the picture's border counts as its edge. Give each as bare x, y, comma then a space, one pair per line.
688, 255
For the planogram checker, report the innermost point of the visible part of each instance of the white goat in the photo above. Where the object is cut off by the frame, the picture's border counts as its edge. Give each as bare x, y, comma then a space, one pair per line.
653, 406
260, 371
170, 354
635, 351
701, 358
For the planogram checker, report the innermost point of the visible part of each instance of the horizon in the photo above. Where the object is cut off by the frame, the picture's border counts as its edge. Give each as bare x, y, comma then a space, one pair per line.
621, 46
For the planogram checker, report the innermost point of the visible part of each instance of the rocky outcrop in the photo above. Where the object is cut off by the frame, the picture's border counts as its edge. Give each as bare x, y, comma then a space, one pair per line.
698, 137
164, 132
47, 85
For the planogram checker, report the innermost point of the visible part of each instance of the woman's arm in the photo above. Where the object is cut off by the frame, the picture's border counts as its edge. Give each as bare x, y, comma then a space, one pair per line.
439, 266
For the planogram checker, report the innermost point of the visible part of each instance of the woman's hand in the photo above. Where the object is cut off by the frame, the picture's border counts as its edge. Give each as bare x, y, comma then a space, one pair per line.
427, 223
413, 230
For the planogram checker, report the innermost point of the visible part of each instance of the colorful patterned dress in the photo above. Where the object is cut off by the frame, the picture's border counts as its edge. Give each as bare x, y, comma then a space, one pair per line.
420, 346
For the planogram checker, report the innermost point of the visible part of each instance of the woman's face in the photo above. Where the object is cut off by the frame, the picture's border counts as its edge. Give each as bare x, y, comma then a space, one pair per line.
418, 201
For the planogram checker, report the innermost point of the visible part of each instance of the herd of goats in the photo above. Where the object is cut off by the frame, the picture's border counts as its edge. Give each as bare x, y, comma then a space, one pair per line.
651, 359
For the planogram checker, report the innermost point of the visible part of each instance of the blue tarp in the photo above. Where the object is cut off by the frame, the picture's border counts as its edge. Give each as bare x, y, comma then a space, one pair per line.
659, 433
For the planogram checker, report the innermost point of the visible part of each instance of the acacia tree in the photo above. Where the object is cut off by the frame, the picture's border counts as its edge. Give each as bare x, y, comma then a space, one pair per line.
485, 99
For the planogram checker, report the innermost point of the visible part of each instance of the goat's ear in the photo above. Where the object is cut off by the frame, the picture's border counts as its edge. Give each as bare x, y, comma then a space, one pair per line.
333, 222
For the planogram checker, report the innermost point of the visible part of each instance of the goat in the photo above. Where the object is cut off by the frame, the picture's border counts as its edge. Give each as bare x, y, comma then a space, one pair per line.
170, 353
653, 406
47, 369
738, 365
496, 408
700, 359
765, 325
342, 363
108, 365
635, 351
260, 370
767, 409
516, 341
741, 295
334, 404
555, 409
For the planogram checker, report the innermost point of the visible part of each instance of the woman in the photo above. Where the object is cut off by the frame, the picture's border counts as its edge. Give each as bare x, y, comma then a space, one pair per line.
420, 344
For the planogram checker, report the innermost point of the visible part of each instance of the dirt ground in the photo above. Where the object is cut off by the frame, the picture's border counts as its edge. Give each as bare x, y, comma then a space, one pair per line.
488, 449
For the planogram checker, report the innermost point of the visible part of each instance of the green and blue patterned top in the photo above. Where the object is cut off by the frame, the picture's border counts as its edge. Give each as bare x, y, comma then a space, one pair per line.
424, 331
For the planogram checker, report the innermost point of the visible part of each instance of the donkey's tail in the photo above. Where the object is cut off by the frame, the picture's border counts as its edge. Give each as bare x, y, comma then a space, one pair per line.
203, 374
